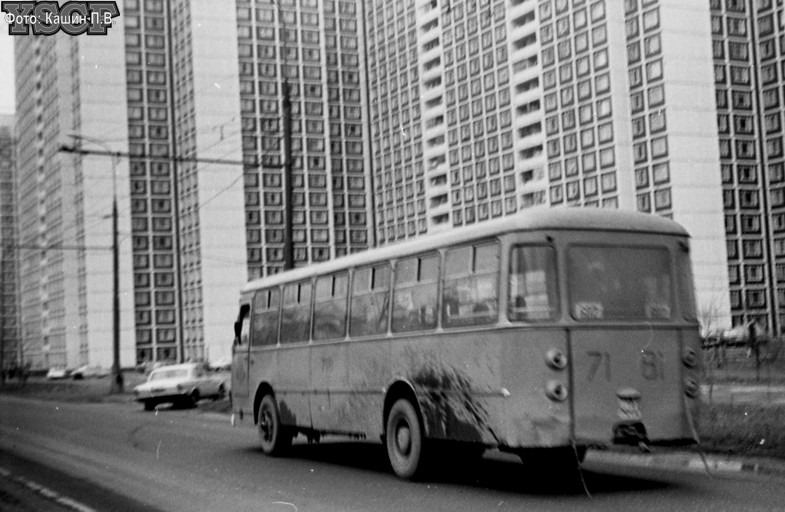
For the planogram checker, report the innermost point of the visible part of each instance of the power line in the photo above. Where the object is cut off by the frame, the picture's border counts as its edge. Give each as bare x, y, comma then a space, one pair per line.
176, 159
57, 246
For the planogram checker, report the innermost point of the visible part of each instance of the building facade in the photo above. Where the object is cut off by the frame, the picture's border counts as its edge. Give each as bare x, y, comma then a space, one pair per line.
152, 107
748, 53
313, 49
186, 177
408, 117
483, 108
10, 339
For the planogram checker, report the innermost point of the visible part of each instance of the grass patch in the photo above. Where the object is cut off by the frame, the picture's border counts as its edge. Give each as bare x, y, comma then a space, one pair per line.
743, 429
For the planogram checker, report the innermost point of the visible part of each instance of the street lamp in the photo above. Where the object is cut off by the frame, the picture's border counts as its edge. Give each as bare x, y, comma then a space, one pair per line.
117, 375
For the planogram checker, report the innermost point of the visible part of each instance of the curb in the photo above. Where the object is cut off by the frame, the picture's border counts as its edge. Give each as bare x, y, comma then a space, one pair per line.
45, 492
690, 462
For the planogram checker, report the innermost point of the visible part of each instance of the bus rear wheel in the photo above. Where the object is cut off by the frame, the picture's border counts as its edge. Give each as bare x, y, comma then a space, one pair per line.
273, 437
404, 439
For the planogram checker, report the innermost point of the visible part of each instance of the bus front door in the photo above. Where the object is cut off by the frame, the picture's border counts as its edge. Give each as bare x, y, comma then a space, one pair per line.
240, 356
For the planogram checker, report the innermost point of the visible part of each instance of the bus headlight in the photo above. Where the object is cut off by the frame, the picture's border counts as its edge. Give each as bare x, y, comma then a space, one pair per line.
691, 387
556, 391
689, 358
556, 359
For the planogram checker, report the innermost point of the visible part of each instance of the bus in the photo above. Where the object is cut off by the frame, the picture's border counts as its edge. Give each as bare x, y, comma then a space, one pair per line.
555, 329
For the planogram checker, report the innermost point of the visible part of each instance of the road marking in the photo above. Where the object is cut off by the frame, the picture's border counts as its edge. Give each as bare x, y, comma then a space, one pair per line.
46, 492
285, 503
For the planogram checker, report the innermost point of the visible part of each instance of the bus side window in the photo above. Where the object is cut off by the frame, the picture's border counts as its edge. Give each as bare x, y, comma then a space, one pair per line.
533, 288
370, 297
296, 313
470, 285
686, 291
415, 293
265, 317
329, 313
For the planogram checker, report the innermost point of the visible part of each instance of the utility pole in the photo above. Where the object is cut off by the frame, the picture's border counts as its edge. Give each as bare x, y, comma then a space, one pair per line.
117, 374
2, 318
288, 249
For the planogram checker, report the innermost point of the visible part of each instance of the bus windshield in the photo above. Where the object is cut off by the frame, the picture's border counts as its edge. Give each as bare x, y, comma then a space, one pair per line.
619, 283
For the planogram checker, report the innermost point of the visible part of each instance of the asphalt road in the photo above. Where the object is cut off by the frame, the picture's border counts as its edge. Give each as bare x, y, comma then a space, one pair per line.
114, 456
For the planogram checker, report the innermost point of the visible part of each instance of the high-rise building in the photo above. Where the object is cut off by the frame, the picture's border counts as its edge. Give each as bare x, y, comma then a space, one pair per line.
10, 342
314, 50
483, 108
153, 107
187, 213
748, 52
65, 289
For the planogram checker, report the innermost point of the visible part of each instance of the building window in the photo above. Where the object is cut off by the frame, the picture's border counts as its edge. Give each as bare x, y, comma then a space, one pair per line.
662, 199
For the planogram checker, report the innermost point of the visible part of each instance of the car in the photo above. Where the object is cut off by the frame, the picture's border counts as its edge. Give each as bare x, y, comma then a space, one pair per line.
56, 373
179, 384
221, 365
87, 371
148, 366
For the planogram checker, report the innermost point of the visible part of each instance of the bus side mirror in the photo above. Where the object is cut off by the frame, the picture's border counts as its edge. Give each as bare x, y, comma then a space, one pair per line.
237, 328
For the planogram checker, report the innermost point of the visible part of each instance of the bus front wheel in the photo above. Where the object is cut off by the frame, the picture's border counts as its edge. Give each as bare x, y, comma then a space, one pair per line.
273, 437
404, 439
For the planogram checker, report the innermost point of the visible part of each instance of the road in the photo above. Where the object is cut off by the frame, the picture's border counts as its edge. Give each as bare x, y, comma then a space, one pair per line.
115, 456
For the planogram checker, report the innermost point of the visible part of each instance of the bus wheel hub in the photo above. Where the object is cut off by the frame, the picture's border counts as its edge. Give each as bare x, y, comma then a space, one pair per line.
403, 439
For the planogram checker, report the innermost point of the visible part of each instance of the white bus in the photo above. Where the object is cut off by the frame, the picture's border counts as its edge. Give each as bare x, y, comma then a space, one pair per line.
555, 328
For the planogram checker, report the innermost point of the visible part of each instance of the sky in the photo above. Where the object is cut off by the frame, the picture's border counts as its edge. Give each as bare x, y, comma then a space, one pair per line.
6, 70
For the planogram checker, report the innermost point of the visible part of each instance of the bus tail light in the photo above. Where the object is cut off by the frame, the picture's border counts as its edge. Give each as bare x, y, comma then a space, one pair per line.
556, 359
691, 387
689, 358
556, 391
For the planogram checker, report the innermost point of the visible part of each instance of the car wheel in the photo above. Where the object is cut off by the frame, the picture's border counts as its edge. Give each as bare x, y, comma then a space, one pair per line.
149, 405
274, 438
221, 392
194, 398
404, 439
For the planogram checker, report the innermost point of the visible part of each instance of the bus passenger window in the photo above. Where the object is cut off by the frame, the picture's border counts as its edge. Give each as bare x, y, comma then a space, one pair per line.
470, 286
533, 288
370, 295
265, 317
414, 303
329, 313
296, 313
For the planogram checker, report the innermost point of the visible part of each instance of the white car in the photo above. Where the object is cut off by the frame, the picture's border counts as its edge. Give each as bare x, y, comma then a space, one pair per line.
55, 373
179, 384
87, 372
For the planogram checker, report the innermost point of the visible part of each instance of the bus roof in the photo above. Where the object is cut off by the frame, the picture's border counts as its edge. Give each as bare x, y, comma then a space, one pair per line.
535, 219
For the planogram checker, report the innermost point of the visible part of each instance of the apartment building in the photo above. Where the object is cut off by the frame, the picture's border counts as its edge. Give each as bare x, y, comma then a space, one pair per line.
153, 106
10, 342
483, 108
311, 54
748, 53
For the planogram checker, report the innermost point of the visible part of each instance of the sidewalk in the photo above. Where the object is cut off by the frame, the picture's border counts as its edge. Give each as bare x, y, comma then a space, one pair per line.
744, 393
691, 462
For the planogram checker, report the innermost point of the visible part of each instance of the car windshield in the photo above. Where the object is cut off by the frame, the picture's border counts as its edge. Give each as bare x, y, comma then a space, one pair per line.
169, 374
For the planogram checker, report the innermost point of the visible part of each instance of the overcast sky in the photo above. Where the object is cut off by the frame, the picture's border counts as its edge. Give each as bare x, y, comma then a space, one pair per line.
6, 70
